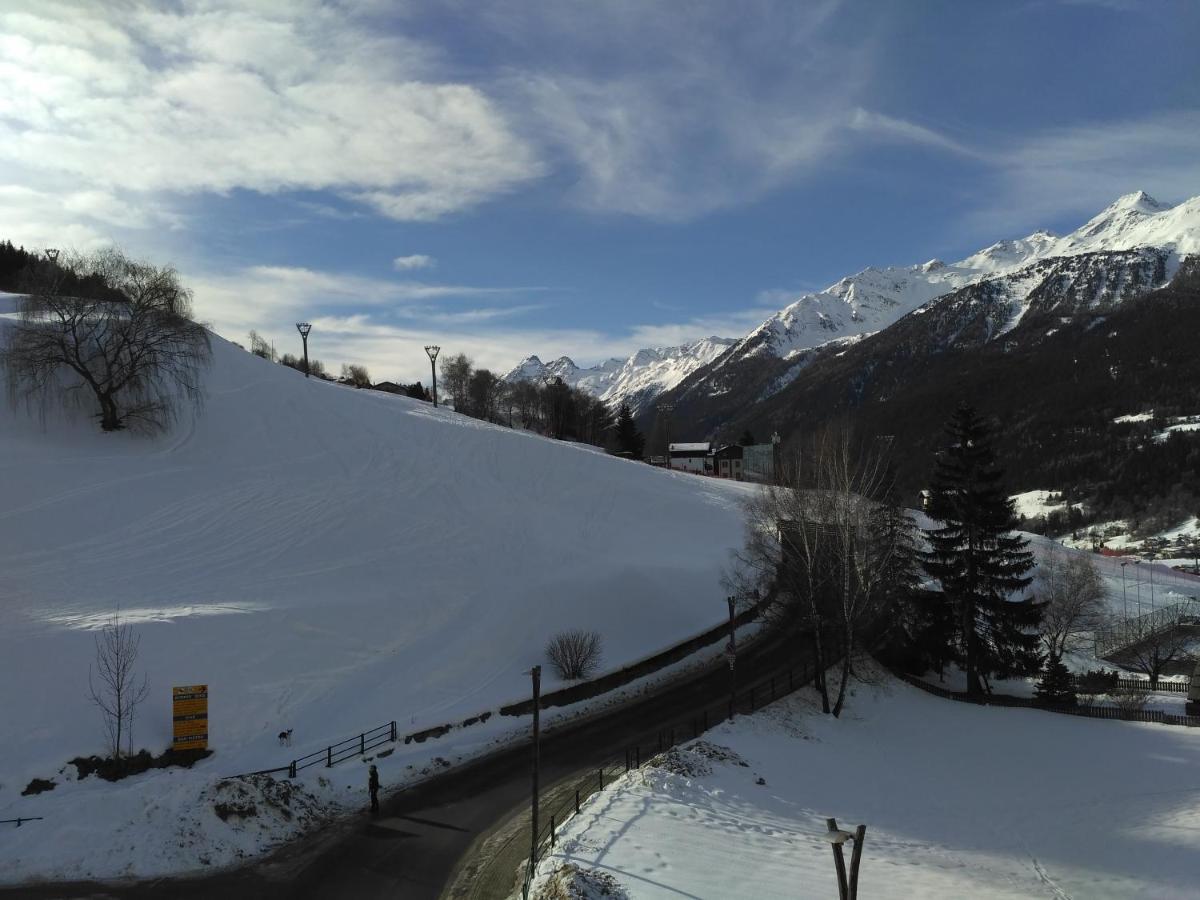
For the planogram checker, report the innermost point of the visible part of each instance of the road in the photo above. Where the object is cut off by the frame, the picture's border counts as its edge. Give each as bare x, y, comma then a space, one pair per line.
431, 833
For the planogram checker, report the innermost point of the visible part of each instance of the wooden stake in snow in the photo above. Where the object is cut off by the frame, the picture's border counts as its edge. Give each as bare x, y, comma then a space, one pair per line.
847, 888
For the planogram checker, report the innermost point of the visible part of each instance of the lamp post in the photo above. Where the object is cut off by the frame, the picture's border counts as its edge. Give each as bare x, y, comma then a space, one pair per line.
536, 674
731, 655
666, 408
1124, 595
432, 351
304, 328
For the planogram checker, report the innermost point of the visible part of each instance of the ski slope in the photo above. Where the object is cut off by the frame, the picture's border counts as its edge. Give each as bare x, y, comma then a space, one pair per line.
959, 801
325, 560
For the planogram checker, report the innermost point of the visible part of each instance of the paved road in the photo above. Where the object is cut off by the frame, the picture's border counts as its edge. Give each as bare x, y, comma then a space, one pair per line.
426, 835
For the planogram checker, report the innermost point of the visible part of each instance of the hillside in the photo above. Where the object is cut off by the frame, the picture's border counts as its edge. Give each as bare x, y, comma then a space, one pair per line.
324, 559
1087, 401
1129, 248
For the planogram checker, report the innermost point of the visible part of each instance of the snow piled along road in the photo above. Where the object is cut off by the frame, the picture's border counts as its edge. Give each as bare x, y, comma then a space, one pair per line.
325, 560
959, 801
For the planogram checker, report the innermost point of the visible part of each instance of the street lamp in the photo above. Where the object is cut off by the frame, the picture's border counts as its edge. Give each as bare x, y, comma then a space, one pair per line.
1124, 595
433, 351
304, 328
667, 408
731, 655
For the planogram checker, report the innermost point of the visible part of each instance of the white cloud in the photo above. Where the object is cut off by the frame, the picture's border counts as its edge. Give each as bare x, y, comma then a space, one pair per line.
1080, 169
415, 261
216, 96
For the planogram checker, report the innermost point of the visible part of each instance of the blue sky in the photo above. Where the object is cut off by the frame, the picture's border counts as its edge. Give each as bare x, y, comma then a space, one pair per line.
586, 178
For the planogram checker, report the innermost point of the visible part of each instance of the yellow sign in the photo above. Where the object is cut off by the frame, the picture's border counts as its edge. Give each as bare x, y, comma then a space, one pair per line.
189, 709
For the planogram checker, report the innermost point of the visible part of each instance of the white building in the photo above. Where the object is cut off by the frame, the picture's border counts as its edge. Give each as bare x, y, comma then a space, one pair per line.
691, 457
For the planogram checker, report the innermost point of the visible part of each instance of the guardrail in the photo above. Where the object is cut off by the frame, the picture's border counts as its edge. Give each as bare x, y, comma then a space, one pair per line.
18, 821
1132, 632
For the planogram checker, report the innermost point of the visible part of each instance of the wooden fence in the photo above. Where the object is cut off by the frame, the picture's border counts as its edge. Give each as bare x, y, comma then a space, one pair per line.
1090, 712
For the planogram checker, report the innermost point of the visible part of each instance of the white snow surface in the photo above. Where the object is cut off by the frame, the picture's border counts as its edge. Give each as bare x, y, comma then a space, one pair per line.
325, 560
636, 380
959, 801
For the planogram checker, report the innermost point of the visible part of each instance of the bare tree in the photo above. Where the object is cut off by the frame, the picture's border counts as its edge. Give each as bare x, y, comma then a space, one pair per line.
818, 546
132, 347
356, 375
261, 347
1159, 651
114, 686
1073, 593
456, 376
574, 654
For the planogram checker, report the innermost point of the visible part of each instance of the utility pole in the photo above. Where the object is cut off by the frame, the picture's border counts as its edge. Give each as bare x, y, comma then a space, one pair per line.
667, 408
536, 673
433, 350
304, 328
731, 654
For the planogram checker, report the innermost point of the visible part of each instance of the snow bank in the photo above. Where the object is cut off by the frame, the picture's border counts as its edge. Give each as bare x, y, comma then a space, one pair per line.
959, 801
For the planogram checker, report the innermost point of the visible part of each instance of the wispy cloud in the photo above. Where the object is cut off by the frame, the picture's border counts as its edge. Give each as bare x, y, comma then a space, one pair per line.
1077, 170
415, 261
217, 96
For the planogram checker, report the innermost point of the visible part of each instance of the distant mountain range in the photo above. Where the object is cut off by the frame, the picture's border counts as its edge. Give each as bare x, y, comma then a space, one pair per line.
636, 381
717, 381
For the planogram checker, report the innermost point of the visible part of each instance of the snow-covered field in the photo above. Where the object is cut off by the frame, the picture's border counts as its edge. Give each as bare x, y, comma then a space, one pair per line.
325, 560
959, 801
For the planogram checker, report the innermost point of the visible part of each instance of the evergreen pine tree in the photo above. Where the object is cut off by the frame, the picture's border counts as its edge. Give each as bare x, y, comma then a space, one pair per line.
921, 624
1056, 688
977, 557
628, 438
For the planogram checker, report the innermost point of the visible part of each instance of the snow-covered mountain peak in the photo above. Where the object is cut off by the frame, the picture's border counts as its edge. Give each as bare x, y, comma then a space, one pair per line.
635, 380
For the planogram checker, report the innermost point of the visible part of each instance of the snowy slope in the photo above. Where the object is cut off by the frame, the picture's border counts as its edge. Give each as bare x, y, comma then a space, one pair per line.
959, 801
325, 559
636, 380
875, 298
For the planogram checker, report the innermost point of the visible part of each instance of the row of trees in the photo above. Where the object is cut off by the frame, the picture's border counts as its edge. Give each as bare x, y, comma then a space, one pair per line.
551, 407
844, 564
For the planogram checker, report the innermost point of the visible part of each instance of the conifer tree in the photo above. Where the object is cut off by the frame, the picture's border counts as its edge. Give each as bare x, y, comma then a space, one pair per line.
628, 438
978, 559
1056, 688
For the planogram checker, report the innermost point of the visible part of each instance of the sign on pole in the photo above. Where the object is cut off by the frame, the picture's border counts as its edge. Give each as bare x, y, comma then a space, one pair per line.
189, 710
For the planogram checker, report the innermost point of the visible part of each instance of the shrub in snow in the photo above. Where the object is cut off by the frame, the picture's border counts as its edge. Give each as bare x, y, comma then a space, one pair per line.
1128, 700
574, 654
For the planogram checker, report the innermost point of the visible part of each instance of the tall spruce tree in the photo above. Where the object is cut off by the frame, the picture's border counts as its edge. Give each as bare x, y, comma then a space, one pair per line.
977, 557
628, 438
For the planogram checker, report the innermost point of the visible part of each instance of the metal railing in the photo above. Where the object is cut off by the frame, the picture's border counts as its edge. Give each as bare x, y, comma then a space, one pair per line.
1131, 632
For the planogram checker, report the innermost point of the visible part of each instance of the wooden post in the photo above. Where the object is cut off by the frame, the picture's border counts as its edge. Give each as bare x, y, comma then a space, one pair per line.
551, 829
576, 801
292, 770
329, 757
362, 745
839, 862
600, 772
855, 857
536, 674
393, 731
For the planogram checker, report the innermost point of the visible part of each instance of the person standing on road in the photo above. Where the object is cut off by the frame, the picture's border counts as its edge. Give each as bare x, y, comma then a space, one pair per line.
373, 787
